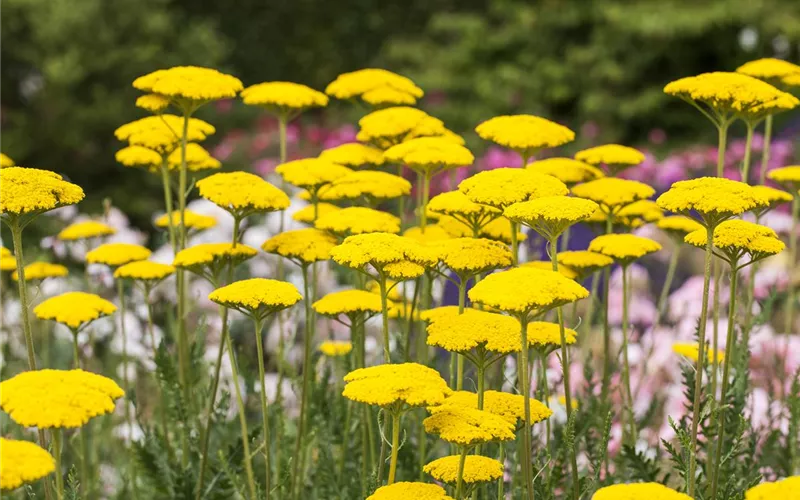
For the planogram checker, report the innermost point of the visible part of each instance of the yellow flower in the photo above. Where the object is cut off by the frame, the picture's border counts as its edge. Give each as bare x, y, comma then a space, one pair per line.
358, 220
191, 220
333, 348
711, 197
138, 156
467, 426
154, 103
357, 83
23, 462
523, 289
678, 226
57, 398
212, 257
615, 157
390, 126
477, 469
144, 270
32, 191
787, 176
283, 97
403, 270
550, 215
405, 491
429, 155
303, 246
379, 249
306, 214
189, 86
470, 256
8, 263
388, 96
524, 133
788, 489
437, 313
638, 491
6, 161
623, 248
691, 351
543, 334
566, 170
547, 265
774, 196
369, 184
84, 230
583, 261
499, 230
257, 295
724, 92
242, 193
475, 329
510, 407
74, 309
349, 303
197, 159
432, 234
456, 204
737, 237
310, 173
5, 252
168, 126
406, 383
41, 270
504, 186
117, 254
613, 194
769, 69
647, 210
353, 155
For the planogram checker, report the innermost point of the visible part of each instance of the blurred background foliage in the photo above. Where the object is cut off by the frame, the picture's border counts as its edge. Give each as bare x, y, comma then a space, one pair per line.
67, 65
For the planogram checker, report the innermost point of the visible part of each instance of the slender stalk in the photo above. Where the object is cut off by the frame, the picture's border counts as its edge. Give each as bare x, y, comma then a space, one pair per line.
747, 147
717, 270
16, 235
460, 481
168, 205
401, 202
150, 329
76, 356
502, 481
84, 455
526, 394
395, 446
248, 466
58, 438
592, 299
729, 348
545, 395
514, 244
765, 152
789, 318
606, 327
258, 323
297, 470
662, 298
722, 129
626, 369
183, 340
423, 208
455, 357
385, 316
125, 379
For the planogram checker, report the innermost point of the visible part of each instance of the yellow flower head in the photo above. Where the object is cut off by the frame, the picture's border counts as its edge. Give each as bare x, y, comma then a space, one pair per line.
470, 256
433, 234
566, 170
369, 184
646, 210
678, 226
477, 469
613, 194
84, 230
258, 296
242, 193
8, 263
737, 237
504, 186
692, 350
547, 265
349, 303
551, 215
310, 173
403, 270
31, 191
543, 334
306, 214
510, 407
524, 133
5, 252
357, 83
774, 196
155, 103
353, 155
41, 270
358, 220
388, 96
467, 426
170, 127
57, 398
406, 383
523, 289
144, 270
623, 248
769, 69
437, 313
283, 97
711, 197
380, 249
725, 92
499, 229
189, 86
192, 220
638, 491
212, 256
456, 203
788, 488
301, 245
429, 155
390, 126
786, 176
138, 156
117, 254
333, 348
74, 309
6, 161
583, 261
23, 462
614, 157
473, 329
197, 159
406, 490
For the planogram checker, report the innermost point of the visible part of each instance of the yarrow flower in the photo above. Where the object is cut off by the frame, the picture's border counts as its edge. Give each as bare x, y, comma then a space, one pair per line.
786, 176
31, 191
197, 159
547, 265
74, 309
191, 220
623, 248
510, 407
348, 303
403, 270
371, 185
788, 488
163, 132
308, 213
477, 469
735, 238
283, 98
769, 69
614, 157
525, 134
189, 86
304, 246
468, 426
550, 215
774, 196
410, 384
504, 186
545, 335
406, 490
84, 230
475, 329
257, 296
140, 157
522, 290
457, 205
567, 170
429, 155
390, 126
642, 210
358, 220
470, 256
613, 194
388, 96
41, 270
583, 261
311, 173
117, 254
144, 270
332, 348
23, 462
353, 155
57, 398
638, 491
692, 350
713, 198
357, 83
6, 161
242, 193
678, 226
379, 249
154, 103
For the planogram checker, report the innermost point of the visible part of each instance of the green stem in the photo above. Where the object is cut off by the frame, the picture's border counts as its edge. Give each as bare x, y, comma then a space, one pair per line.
662, 298
165, 181
16, 235
401, 202
606, 327
385, 315
423, 214
308, 339
395, 446
789, 318
248, 466
626, 369
765, 152
723, 139
76, 356
502, 481
459, 359
150, 329
126, 381
526, 394
58, 438
183, 340
258, 324
514, 244
460, 481
747, 147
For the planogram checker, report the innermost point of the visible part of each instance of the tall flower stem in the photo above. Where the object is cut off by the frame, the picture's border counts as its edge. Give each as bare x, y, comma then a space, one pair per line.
125, 380
84, 459
502, 481
258, 323
747, 152
183, 340
789, 318
58, 438
514, 244
168, 204
626, 369
16, 235
606, 327
699, 369
526, 394
545, 394
385, 315
297, 472
565, 368
423, 208
457, 360
162, 401
248, 466
762, 177
662, 298
729, 353
462, 460
395, 446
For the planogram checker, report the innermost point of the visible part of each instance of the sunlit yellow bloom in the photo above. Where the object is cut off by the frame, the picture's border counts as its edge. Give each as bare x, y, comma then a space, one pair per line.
403, 270
543, 334
30, 191
144, 270
358, 220
242, 193
369, 184
692, 350
477, 469
8, 263
41, 270
379, 249
167, 125
678, 226
436, 313
333, 348
74, 309
711, 197
191, 220
510, 407
6, 161
349, 303
57, 398
154, 103
613, 194
623, 248
550, 215
383, 385
473, 329
724, 92
405, 491
85, 229
583, 261
117, 254
456, 203
774, 196
547, 265
257, 295
189, 86
787, 176
23, 462
524, 133
302, 245
310, 173
471, 256
788, 488
283, 97
449, 135
432, 234
737, 237
769, 69
638, 491
5, 252
467, 426
429, 155
138, 156
388, 96
356, 83
647, 210
197, 159
213, 257
307, 213
499, 229
566, 170
615, 157
353, 155
390, 126
503, 186
523, 289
